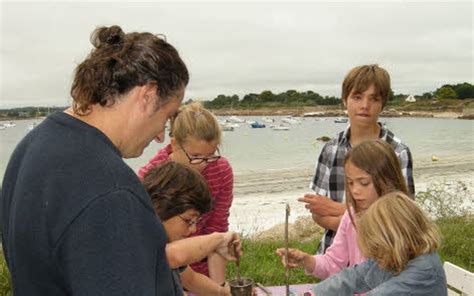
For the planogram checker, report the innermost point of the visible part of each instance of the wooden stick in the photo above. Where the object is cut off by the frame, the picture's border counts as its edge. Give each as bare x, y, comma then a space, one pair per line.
237, 266
287, 269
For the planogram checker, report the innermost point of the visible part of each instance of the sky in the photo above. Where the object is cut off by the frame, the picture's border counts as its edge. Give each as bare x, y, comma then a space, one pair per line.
242, 47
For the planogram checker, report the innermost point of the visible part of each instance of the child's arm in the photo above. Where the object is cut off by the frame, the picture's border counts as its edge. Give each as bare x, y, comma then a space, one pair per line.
336, 257
217, 267
202, 285
186, 251
349, 281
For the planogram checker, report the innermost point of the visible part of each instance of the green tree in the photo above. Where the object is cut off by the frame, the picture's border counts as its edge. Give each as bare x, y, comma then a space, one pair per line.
446, 92
464, 90
267, 96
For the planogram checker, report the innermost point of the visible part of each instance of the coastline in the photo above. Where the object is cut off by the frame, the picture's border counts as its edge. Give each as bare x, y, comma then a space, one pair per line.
457, 109
337, 111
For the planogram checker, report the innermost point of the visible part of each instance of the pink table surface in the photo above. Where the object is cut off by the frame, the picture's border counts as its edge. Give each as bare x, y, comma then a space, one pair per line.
281, 290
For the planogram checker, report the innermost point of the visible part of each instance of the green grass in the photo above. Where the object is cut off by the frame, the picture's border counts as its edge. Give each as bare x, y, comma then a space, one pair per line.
5, 279
457, 245
260, 263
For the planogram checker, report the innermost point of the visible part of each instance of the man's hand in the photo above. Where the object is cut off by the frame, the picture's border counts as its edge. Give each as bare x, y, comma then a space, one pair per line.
322, 205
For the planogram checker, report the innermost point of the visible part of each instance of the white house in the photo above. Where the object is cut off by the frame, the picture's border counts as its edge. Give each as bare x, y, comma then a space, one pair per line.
411, 99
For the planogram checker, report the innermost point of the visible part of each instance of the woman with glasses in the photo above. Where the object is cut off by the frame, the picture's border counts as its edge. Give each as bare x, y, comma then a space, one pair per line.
180, 196
195, 139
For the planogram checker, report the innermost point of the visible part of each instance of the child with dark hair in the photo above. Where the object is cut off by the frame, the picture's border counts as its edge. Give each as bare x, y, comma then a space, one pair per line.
180, 196
195, 140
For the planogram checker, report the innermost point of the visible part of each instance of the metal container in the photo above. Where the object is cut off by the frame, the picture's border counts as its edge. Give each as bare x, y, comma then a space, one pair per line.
242, 288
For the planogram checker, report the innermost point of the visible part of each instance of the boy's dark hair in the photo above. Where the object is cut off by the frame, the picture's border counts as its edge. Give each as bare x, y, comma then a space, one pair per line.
360, 78
119, 62
175, 188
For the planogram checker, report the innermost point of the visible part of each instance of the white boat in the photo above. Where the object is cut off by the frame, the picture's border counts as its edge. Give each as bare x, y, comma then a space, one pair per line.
226, 128
230, 124
341, 120
235, 119
9, 124
250, 122
290, 120
280, 128
268, 120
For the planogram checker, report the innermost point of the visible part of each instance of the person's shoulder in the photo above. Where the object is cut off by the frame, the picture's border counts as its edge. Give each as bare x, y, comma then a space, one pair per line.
222, 164
346, 219
395, 141
218, 170
428, 260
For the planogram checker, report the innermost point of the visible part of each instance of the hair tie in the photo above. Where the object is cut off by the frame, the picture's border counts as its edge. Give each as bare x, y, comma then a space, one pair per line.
197, 114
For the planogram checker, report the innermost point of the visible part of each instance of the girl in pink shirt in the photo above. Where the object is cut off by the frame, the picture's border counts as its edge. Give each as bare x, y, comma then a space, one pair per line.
195, 138
371, 170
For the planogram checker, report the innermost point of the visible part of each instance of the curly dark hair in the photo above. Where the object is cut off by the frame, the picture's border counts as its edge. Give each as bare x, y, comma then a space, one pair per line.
175, 188
122, 61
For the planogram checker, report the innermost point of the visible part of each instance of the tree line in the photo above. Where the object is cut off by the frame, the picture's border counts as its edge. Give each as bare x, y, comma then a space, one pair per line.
291, 98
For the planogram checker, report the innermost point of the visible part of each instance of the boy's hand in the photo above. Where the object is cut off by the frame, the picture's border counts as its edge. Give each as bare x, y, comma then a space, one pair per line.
322, 205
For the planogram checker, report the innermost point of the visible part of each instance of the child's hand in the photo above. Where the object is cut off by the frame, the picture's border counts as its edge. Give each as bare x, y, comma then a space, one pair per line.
230, 242
295, 257
225, 290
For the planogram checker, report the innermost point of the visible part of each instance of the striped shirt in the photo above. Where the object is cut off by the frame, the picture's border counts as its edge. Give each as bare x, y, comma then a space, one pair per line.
220, 178
329, 177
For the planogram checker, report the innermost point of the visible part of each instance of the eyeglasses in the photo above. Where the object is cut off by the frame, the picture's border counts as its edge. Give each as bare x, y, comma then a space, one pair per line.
199, 160
190, 222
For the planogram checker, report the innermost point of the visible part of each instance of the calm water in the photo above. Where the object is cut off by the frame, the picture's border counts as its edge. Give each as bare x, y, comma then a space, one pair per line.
259, 150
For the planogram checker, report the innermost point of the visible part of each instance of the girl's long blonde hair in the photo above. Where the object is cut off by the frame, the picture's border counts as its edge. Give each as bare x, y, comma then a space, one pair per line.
378, 159
395, 230
194, 121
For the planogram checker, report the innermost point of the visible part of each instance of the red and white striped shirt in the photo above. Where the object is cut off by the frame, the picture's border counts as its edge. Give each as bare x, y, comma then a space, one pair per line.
220, 179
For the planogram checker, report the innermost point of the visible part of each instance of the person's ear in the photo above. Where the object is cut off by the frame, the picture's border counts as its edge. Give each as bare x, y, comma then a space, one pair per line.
174, 144
344, 102
149, 97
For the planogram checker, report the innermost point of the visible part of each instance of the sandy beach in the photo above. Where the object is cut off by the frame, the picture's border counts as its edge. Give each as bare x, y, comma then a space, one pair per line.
260, 198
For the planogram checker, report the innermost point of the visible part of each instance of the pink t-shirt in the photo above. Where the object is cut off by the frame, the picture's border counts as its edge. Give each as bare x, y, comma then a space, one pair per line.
220, 178
344, 251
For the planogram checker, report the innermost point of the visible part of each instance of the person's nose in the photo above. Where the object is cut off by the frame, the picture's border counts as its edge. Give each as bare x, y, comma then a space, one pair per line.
355, 190
365, 103
201, 166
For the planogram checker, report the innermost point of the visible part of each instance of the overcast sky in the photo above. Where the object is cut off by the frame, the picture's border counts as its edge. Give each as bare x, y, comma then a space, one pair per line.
242, 47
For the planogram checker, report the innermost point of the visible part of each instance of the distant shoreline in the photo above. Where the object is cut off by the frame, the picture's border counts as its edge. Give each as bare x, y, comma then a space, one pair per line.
338, 112
320, 111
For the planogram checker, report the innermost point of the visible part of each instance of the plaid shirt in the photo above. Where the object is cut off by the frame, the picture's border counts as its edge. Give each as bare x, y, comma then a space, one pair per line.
329, 177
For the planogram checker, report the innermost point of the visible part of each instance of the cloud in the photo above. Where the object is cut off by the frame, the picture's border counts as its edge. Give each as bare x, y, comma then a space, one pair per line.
238, 48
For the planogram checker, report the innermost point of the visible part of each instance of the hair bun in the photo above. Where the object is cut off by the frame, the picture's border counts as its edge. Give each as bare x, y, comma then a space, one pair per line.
107, 36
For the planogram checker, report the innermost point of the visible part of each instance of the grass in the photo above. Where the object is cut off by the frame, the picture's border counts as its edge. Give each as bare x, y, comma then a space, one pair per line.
457, 245
260, 263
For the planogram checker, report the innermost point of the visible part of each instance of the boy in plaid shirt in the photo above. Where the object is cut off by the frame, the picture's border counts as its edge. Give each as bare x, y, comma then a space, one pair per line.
365, 93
